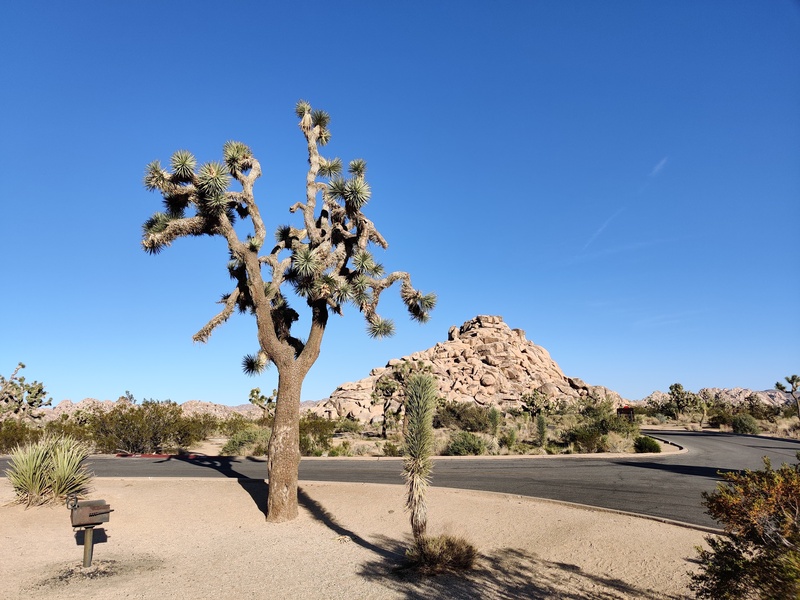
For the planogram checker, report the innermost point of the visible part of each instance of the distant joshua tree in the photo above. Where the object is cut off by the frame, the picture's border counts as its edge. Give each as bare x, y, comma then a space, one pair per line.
325, 260
794, 382
21, 399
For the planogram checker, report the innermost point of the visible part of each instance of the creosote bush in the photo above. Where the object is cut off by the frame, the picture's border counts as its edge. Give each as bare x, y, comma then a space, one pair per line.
465, 443
760, 557
48, 470
251, 441
465, 416
745, 423
150, 427
645, 443
315, 435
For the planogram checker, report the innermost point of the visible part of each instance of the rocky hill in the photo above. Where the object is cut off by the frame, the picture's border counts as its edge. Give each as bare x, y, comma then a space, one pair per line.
734, 396
483, 361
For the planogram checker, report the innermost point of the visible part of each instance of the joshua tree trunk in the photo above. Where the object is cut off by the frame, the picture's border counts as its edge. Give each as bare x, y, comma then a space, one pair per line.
284, 451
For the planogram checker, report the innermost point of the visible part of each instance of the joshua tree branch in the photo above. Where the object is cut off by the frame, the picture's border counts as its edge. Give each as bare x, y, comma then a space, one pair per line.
219, 319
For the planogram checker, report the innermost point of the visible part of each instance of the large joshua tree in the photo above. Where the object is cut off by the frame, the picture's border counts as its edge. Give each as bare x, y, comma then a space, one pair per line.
325, 260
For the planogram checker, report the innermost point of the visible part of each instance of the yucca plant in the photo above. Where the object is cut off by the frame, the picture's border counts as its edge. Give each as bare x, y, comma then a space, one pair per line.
420, 405
49, 470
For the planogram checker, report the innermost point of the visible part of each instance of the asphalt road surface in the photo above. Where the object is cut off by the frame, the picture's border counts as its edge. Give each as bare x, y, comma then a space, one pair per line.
667, 486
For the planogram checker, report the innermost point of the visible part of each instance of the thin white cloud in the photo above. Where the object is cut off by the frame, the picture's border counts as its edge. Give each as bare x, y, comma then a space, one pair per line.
657, 169
602, 227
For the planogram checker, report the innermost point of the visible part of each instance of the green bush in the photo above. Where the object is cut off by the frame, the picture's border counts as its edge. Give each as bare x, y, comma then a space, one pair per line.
48, 470
744, 423
509, 439
343, 449
760, 556
252, 441
235, 422
15, 433
720, 417
315, 434
645, 443
587, 438
151, 427
465, 443
70, 426
390, 449
465, 416
541, 430
345, 425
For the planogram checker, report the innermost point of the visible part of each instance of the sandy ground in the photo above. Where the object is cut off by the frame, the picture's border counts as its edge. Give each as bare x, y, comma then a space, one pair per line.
207, 538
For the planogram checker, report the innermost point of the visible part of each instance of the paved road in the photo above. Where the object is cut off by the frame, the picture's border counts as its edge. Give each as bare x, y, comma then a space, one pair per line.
667, 486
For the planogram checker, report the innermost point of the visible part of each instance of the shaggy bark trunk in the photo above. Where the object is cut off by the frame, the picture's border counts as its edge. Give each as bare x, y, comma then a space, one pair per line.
284, 450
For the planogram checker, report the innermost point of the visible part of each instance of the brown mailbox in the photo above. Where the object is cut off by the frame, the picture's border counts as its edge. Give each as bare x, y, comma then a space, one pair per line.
88, 513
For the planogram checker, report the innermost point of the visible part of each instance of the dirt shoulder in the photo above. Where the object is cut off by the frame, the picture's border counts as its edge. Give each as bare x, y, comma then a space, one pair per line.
207, 538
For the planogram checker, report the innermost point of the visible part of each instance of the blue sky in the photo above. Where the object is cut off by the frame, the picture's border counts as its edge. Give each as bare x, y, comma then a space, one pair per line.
619, 179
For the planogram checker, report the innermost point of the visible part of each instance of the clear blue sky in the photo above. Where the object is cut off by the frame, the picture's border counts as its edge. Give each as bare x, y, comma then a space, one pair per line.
620, 179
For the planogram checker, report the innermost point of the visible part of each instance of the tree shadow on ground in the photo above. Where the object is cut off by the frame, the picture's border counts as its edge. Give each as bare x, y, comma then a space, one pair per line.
326, 518
691, 470
505, 574
257, 489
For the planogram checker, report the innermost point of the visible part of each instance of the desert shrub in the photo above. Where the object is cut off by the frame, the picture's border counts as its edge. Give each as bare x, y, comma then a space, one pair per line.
252, 441
645, 443
495, 420
761, 410
67, 426
235, 422
760, 557
48, 470
390, 449
465, 443
15, 433
315, 434
509, 439
744, 423
541, 429
345, 425
587, 438
440, 554
720, 417
343, 449
465, 416
616, 442
151, 427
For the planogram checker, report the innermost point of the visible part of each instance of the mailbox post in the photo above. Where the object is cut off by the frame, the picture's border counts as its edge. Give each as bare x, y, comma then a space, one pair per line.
88, 514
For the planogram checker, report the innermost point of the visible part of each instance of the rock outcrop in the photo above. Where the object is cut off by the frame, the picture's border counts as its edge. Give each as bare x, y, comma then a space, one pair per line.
734, 396
483, 361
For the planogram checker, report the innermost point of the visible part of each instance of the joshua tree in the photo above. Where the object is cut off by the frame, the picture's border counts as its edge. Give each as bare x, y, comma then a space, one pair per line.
420, 404
265, 403
22, 399
390, 388
325, 260
793, 381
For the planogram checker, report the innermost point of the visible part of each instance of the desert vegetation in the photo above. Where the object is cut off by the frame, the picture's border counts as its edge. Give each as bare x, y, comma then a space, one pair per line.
695, 411
760, 555
48, 470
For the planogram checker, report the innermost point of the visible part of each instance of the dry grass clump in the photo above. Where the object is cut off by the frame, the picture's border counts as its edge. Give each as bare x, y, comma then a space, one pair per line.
441, 554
